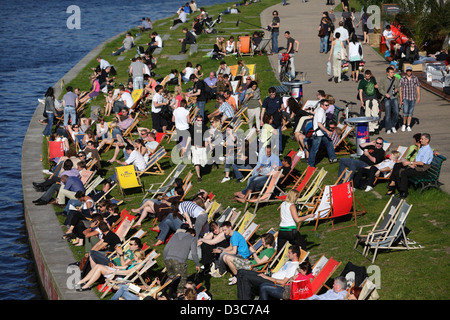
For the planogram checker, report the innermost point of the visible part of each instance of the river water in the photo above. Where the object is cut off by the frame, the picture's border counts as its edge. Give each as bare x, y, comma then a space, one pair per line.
37, 49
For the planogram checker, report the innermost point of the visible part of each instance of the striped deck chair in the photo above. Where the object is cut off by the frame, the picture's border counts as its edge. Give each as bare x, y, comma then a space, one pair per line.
128, 179
313, 189
343, 143
153, 166
264, 196
301, 182
124, 226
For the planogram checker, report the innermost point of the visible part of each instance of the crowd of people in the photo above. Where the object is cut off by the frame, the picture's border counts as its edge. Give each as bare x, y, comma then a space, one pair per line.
213, 138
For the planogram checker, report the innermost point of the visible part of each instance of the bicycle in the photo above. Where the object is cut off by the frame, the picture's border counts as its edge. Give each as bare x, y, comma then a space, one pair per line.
285, 66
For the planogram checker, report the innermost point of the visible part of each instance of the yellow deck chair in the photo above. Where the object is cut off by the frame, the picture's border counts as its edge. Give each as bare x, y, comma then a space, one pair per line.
215, 206
244, 222
128, 179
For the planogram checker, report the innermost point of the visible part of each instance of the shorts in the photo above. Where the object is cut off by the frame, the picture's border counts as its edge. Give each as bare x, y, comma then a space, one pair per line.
241, 263
199, 156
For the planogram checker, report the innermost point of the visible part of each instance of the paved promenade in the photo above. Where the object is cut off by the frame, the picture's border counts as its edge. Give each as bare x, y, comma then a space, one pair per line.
302, 20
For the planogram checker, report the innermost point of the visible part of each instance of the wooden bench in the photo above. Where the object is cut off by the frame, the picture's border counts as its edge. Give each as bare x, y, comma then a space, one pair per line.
431, 178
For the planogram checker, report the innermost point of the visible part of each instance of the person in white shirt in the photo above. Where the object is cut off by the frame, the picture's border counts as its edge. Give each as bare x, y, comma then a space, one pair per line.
103, 63
343, 32
155, 43
388, 36
182, 18
157, 104
124, 101
246, 279
134, 157
180, 117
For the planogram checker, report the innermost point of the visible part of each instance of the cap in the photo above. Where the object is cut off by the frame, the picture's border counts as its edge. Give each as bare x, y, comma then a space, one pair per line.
408, 68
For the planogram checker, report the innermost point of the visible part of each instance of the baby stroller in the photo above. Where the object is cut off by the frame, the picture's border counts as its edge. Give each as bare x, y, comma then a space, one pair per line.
209, 23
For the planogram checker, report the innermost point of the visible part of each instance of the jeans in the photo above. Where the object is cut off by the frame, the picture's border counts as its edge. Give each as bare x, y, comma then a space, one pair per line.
316, 142
48, 127
124, 293
138, 82
201, 108
246, 280
352, 164
408, 107
237, 174
169, 223
324, 44
391, 113
254, 183
275, 42
69, 111
270, 290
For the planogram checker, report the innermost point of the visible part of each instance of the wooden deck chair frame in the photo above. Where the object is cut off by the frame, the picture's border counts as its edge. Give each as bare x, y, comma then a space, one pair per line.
313, 188
383, 223
244, 222
264, 196
250, 231
233, 216
324, 274
128, 172
343, 143
153, 162
395, 239
126, 244
124, 226
167, 183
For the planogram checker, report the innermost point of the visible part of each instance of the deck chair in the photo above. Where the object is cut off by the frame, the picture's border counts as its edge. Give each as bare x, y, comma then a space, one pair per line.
244, 222
126, 244
395, 239
234, 216
153, 166
164, 186
258, 246
245, 47
322, 271
384, 222
90, 186
129, 130
116, 281
213, 209
313, 189
343, 143
223, 216
301, 182
55, 150
262, 46
386, 174
250, 231
233, 71
369, 291
264, 196
86, 176
337, 201
124, 226
128, 179
282, 256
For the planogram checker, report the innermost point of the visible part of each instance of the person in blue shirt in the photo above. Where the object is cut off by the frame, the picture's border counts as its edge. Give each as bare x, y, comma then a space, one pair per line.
71, 186
238, 247
266, 163
402, 171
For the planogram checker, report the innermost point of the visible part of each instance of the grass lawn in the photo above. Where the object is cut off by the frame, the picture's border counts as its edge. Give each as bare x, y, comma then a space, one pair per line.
417, 274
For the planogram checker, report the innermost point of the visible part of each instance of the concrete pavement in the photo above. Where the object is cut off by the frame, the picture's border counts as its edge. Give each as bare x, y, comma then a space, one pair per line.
302, 20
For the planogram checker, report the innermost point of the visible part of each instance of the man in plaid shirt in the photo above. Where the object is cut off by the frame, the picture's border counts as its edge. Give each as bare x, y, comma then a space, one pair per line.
409, 96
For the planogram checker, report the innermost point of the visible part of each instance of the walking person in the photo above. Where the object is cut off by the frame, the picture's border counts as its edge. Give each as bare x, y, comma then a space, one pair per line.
291, 42
388, 87
409, 96
355, 55
324, 34
70, 102
337, 54
50, 110
368, 97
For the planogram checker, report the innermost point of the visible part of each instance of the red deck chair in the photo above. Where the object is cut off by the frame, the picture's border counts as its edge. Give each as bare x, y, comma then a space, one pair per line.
304, 179
55, 149
325, 273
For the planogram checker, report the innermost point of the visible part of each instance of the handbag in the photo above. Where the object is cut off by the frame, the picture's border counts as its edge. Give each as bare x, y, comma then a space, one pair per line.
301, 289
321, 32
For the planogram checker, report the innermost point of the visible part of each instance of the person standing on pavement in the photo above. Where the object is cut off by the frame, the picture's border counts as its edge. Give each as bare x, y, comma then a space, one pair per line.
368, 97
274, 27
409, 96
291, 43
388, 87
321, 135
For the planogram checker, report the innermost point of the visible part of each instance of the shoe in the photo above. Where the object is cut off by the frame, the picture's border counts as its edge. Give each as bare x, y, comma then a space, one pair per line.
232, 281
216, 274
239, 180
158, 243
199, 179
37, 185
388, 132
225, 179
408, 128
155, 230
377, 131
37, 200
41, 202
402, 195
333, 160
47, 171
393, 130
368, 188
83, 289
403, 128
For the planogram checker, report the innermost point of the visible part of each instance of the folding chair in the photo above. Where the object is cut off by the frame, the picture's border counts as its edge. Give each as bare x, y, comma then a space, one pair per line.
128, 179
245, 47
347, 130
122, 228
384, 222
386, 174
393, 239
55, 150
250, 231
164, 186
264, 196
322, 272
153, 163
245, 221
313, 188
215, 206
